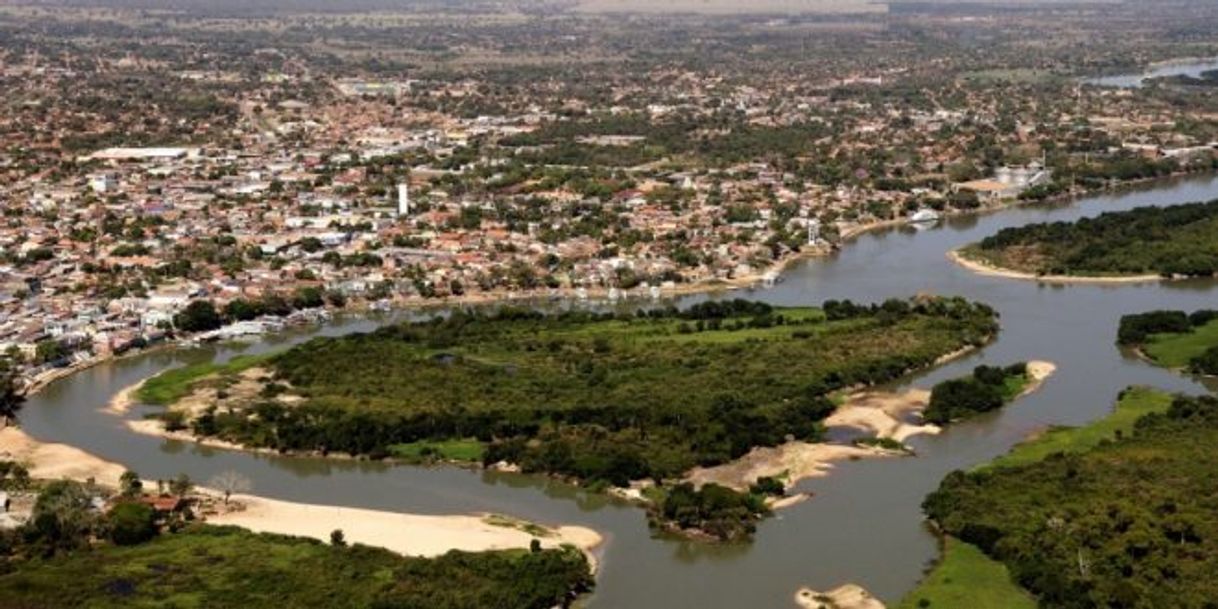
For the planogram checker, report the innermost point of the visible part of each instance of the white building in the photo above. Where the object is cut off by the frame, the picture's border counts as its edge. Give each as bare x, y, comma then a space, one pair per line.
403, 200
103, 183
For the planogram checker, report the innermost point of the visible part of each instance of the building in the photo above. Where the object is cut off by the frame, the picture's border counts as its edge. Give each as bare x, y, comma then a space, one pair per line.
141, 154
1007, 183
403, 200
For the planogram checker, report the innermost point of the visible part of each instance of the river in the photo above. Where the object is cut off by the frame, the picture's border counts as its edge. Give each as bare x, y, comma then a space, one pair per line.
864, 525
1189, 67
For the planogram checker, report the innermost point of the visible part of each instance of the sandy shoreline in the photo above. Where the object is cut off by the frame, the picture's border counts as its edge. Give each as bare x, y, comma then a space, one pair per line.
410, 534
56, 461
848, 596
982, 268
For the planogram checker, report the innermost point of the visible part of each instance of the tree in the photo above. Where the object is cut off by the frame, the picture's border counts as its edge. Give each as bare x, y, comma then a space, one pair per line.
61, 515
198, 316
230, 482
11, 397
130, 484
181, 486
337, 538
130, 524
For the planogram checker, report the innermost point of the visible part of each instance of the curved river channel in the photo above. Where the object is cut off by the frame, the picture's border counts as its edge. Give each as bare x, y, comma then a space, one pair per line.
864, 525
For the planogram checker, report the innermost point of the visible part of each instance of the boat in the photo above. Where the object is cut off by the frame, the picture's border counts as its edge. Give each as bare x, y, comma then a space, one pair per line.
924, 216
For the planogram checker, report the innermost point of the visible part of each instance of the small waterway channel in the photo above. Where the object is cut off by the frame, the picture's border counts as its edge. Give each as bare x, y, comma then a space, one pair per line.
864, 525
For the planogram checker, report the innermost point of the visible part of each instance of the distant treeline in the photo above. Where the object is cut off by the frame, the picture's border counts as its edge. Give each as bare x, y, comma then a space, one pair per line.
1131, 523
1175, 240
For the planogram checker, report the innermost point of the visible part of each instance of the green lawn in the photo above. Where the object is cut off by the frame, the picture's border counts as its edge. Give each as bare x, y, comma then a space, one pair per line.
1176, 350
965, 578
470, 450
174, 384
1134, 402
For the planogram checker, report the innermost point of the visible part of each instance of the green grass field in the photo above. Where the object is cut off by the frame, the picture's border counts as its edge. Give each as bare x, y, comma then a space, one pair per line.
173, 385
1176, 350
965, 578
1134, 403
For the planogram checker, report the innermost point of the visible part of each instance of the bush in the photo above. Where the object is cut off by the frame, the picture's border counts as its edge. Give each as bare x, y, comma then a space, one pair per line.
1206, 363
131, 524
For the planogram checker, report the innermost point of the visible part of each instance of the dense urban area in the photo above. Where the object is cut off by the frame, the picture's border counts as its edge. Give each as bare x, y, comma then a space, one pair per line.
544, 185
274, 167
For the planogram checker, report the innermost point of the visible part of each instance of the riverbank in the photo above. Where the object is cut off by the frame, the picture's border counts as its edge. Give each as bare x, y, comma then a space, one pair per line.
878, 414
55, 461
982, 268
407, 534
849, 596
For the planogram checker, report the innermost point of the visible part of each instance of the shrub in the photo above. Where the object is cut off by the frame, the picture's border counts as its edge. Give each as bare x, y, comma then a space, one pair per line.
130, 524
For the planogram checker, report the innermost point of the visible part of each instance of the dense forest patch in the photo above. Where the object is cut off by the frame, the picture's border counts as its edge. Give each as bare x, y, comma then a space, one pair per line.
227, 567
1180, 240
598, 397
1129, 523
987, 388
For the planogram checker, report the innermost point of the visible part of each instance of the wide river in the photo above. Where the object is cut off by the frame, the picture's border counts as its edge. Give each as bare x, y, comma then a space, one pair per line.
864, 525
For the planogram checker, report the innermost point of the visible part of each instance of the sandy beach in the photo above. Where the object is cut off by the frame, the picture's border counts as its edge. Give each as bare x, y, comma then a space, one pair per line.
884, 414
794, 460
876, 413
982, 268
412, 534
1039, 371
56, 461
409, 534
880, 414
849, 596
124, 399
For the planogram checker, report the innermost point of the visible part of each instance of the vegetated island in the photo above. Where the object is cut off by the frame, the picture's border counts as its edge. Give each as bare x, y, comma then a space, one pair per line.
987, 388
1141, 244
1119, 513
110, 541
601, 398
1174, 339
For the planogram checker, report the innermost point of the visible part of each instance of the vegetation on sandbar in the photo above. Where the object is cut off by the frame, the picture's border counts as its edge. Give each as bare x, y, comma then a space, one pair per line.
599, 397
1168, 241
712, 510
987, 388
176, 383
